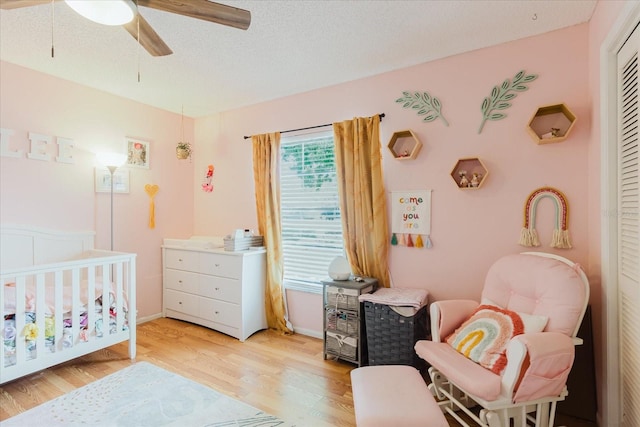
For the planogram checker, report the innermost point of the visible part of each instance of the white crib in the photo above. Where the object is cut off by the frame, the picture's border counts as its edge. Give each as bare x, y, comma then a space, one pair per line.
52, 299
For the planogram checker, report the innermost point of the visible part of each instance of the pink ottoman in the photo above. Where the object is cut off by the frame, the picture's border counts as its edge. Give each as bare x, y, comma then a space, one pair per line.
393, 395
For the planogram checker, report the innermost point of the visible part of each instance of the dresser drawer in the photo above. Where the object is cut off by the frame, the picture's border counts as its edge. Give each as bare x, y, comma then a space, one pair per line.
181, 260
181, 280
221, 265
221, 288
180, 301
220, 312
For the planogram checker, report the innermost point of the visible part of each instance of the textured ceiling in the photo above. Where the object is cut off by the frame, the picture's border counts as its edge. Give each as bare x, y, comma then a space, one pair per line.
290, 47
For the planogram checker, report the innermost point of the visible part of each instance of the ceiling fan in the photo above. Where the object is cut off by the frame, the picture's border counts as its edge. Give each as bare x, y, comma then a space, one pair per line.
139, 28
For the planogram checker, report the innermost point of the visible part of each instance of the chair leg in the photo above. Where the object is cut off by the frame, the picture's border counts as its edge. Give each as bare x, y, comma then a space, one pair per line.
438, 382
542, 414
492, 419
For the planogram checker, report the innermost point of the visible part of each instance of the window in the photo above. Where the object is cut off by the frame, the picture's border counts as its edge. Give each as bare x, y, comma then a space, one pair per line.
310, 209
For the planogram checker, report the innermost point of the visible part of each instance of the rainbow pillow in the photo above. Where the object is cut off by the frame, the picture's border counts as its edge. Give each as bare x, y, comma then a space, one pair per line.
484, 336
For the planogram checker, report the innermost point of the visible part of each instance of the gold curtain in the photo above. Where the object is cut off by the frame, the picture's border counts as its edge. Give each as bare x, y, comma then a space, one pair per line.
266, 175
363, 203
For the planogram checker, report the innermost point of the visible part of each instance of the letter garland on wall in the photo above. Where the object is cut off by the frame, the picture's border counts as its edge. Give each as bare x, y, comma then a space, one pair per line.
529, 235
411, 218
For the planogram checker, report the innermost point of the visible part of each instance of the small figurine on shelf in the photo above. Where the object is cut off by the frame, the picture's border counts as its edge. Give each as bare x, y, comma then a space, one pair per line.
555, 132
464, 182
475, 180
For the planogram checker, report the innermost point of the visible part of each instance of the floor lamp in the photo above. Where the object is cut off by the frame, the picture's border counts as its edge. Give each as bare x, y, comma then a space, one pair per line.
111, 161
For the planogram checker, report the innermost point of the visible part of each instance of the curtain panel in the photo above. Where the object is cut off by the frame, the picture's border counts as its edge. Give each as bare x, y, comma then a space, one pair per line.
266, 167
363, 202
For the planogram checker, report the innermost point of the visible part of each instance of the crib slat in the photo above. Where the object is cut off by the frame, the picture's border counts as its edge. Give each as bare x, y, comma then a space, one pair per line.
58, 315
107, 272
41, 305
132, 314
4, 282
119, 300
75, 305
21, 285
91, 302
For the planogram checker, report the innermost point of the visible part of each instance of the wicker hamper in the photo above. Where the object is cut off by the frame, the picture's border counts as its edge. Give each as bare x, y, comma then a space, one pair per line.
391, 336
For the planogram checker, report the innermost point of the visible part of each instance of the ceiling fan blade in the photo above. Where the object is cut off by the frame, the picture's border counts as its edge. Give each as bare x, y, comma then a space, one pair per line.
205, 10
149, 39
16, 4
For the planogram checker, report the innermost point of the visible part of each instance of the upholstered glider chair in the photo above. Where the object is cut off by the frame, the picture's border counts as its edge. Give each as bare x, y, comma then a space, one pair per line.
511, 353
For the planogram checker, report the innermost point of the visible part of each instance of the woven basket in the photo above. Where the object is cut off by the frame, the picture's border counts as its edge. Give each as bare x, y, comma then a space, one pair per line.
342, 345
391, 336
342, 321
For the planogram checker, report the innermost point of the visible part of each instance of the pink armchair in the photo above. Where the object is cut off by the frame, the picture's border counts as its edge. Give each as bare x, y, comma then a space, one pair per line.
510, 354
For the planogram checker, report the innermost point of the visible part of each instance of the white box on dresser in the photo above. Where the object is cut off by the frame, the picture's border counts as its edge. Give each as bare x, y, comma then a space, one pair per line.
206, 285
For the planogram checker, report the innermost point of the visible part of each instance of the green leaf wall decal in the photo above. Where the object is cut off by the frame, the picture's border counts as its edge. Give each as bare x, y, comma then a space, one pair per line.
427, 106
501, 94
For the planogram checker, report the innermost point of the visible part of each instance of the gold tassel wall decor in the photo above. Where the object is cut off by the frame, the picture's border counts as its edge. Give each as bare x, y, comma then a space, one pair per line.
152, 190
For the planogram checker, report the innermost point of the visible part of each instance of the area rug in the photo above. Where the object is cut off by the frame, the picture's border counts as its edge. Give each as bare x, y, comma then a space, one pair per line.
144, 395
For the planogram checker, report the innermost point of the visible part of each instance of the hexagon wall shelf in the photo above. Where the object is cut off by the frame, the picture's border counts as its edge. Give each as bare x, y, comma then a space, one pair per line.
404, 145
467, 168
552, 123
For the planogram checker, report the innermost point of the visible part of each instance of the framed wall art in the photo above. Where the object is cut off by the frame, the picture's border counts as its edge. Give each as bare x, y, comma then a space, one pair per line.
120, 181
138, 153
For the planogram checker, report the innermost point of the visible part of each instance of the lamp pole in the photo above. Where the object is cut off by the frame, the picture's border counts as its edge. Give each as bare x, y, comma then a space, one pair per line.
111, 161
112, 169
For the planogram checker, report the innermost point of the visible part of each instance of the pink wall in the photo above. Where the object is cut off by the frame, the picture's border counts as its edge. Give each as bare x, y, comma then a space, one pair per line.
61, 196
470, 229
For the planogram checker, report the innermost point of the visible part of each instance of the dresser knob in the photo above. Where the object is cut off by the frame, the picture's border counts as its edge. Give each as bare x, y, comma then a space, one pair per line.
217, 312
180, 302
217, 265
179, 281
180, 259
217, 289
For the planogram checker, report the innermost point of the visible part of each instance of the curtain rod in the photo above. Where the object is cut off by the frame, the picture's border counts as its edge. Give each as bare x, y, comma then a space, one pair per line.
381, 115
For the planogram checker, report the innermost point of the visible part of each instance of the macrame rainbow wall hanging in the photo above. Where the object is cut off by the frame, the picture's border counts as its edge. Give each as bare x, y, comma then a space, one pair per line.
529, 235
411, 218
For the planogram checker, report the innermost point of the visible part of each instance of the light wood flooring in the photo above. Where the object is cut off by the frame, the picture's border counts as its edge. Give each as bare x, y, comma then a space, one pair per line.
285, 376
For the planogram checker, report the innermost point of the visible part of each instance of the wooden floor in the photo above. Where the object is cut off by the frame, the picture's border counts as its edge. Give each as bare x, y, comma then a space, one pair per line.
285, 376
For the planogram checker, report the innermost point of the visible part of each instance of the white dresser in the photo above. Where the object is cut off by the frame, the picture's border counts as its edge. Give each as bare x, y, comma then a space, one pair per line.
207, 285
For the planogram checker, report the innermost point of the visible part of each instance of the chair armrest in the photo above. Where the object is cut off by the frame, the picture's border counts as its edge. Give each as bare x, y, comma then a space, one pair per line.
539, 364
447, 315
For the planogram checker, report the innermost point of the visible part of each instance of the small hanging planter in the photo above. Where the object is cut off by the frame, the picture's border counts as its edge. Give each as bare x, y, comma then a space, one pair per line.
183, 150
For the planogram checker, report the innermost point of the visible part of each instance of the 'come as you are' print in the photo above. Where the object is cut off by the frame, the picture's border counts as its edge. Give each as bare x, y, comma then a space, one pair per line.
411, 218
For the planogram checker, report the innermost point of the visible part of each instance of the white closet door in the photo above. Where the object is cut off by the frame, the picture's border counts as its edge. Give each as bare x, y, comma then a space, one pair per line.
629, 228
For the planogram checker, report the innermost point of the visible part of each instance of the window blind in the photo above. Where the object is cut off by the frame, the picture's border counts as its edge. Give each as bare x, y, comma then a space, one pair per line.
310, 209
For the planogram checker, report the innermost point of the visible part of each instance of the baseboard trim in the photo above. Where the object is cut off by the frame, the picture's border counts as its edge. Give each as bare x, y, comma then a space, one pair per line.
140, 320
308, 332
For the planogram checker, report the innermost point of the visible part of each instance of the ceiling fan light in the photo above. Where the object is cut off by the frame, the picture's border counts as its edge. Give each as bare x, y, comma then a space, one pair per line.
111, 12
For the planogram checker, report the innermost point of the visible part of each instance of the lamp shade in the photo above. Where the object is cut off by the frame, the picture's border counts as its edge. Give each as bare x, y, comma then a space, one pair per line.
339, 269
113, 12
111, 159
